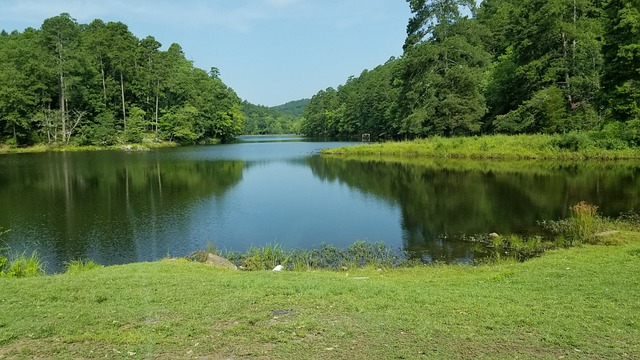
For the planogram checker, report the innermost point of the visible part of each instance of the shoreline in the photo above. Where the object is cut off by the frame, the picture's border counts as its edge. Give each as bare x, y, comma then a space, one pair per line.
486, 147
169, 309
145, 146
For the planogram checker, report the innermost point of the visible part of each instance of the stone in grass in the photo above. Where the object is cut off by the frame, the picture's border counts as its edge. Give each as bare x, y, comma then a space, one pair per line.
216, 260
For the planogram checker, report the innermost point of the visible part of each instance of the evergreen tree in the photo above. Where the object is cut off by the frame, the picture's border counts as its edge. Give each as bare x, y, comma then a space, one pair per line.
621, 78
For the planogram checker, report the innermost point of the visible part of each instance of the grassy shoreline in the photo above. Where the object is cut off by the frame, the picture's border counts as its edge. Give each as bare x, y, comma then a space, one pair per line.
577, 303
64, 148
516, 147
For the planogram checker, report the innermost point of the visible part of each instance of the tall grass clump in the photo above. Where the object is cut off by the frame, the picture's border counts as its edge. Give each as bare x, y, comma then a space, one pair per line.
584, 222
580, 227
21, 265
78, 266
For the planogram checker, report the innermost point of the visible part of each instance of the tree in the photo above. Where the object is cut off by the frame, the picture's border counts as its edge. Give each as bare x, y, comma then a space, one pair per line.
61, 37
621, 78
549, 45
441, 78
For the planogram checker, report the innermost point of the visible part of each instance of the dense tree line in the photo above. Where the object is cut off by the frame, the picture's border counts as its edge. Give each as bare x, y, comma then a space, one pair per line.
70, 83
508, 66
262, 120
294, 108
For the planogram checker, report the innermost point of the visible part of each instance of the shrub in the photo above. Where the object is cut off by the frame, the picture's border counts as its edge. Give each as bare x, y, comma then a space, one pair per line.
573, 141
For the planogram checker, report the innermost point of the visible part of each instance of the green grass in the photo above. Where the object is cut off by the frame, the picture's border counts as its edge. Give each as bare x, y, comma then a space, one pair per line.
78, 266
40, 148
578, 303
357, 255
21, 265
543, 147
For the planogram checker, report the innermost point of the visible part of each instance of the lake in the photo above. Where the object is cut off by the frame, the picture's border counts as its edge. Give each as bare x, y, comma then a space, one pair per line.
117, 207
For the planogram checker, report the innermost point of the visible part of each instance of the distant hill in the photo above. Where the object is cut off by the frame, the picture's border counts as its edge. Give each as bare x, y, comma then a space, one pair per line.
293, 108
263, 120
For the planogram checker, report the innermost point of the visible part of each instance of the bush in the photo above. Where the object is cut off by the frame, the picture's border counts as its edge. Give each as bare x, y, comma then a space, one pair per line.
573, 141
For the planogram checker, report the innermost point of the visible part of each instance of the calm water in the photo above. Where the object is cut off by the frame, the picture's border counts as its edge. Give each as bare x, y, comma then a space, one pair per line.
117, 207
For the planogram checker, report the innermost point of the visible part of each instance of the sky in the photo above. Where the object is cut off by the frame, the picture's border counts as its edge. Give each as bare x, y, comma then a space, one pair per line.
269, 51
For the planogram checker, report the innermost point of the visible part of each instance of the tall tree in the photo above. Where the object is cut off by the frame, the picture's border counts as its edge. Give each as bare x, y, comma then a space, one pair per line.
61, 37
552, 52
442, 77
621, 79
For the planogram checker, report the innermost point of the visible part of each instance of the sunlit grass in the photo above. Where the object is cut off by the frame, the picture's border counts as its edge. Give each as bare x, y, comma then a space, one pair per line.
542, 147
77, 266
577, 303
21, 265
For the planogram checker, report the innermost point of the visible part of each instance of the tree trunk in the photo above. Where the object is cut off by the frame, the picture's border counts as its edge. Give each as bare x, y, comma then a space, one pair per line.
124, 112
63, 109
156, 114
104, 82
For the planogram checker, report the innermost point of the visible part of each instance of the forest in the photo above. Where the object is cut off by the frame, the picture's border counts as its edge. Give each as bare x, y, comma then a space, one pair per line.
98, 84
505, 66
281, 119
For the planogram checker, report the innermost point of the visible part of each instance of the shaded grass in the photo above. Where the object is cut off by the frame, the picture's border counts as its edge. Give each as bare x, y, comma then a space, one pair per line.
579, 303
541, 147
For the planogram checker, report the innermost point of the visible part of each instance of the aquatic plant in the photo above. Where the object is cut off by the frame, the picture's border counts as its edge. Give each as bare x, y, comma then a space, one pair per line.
359, 254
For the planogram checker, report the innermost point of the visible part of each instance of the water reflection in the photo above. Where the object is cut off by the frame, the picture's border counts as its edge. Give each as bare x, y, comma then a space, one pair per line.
115, 207
442, 199
112, 207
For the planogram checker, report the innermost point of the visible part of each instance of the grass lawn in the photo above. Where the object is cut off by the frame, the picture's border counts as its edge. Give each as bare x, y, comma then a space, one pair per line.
578, 303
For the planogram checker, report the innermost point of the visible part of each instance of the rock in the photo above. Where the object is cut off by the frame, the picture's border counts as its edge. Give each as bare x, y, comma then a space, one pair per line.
278, 268
216, 260
494, 235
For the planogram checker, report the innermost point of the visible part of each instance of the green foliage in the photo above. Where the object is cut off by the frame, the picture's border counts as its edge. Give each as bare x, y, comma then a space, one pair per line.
293, 108
359, 254
97, 84
78, 266
21, 266
621, 49
582, 226
516, 247
584, 222
518, 67
262, 120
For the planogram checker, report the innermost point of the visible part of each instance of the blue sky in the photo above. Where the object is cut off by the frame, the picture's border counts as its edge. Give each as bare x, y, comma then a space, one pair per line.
268, 51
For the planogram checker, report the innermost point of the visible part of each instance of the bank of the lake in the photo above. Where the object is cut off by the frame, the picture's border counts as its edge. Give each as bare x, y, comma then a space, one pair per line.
41, 148
578, 303
543, 147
